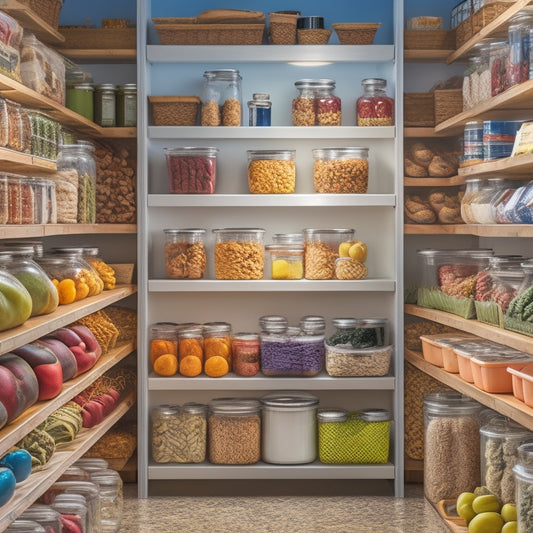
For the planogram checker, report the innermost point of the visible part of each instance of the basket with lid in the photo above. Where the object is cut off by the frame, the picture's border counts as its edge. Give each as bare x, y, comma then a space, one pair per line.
191, 170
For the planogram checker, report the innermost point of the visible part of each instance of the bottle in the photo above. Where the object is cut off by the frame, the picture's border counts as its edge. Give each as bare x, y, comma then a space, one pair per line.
375, 108
259, 110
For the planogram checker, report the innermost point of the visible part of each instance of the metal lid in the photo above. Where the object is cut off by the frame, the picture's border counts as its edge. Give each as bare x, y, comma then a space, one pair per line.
128, 87
310, 23
374, 81
335, 153
375, 415
67, 251
239, 230
92, 251
82, 86
234, 405
106, 87
359, 322
224, 74
260, 97
188, 332
194, 408
289, 399
332, 415
313, 324
184, 230
288, 248
273, 323
165, 410
339, 231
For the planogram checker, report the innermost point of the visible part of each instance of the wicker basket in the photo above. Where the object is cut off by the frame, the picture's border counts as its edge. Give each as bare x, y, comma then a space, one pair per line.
172, 32
123, 272
463, 32
419, 109
282, 28
114, 23
355, 33
487, 13
48, 10
448, 103
174, 110
99, 38
429, 39
314, 36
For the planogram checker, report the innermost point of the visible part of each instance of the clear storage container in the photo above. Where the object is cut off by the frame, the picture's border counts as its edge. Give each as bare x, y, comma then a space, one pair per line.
239, 253
375, 107
217, 348
439, 349
518, 36
191, 170
234, 428
246, 353
476, 205
289, 427
4, 199
322, 249
25, 526
328, 105
520, 310
499, 57
20, 296
286, 260
271, 171
73, 512
499, 203
126, 103
45, 516
451, 446
163, 340
340, 170
111, 499
221, 98
303, 106
185, 256
190, 351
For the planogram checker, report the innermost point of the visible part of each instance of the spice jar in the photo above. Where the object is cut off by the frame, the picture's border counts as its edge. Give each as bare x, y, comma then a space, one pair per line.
239, 253
190, 351
245, 349
303, 106
105, 108
375, 107
185, 256
80, 99
221, 98
191, 170
289, 427
321, 250
340, 170
126, 103
451, 446
259, 110
217, 348
271, 171
328, 106
111, 499
234, 427
163, 340
286, 260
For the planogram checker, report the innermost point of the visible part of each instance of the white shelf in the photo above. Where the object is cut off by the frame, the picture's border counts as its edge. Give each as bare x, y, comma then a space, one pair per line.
269, 285
260, 382
270, 54
271, 200
271, 132
269, 471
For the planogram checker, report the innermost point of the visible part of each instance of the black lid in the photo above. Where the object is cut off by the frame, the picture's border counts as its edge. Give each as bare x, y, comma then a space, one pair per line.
310, 23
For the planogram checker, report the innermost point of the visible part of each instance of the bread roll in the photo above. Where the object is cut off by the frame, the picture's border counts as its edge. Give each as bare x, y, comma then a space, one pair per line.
441, 167
422, 154
414, 170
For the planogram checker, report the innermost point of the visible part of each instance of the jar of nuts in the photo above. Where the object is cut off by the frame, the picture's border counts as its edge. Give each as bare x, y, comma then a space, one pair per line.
340, 170
303, 106
185, 256
375, 108
221, 98
328, 106
271, 171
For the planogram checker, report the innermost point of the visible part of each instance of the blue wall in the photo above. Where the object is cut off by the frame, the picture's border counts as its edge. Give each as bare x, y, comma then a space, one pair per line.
78, 11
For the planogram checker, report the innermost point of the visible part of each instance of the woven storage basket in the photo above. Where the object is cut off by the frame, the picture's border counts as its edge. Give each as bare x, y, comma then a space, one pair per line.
114, 23
314, 36
463, 32
282, 28
487, 13
356, 33
174, 110
171, 32
419, 109
123, 272
48, 10
429, 39
99, 38
448, 103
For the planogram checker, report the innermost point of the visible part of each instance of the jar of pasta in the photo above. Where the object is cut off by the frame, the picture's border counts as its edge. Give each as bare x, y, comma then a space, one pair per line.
217, 348
271, 171
185, 256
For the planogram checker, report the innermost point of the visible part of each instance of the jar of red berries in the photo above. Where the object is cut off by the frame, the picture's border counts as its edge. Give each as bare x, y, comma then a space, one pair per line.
375, 108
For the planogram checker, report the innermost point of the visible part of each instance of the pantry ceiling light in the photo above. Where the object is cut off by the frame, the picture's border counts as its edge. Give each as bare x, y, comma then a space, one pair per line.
309, 63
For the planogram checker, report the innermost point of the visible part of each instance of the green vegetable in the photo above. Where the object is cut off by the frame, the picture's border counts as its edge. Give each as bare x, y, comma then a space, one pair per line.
15, 301
523, 301
42, 291
357, 337
40, 445
64, 423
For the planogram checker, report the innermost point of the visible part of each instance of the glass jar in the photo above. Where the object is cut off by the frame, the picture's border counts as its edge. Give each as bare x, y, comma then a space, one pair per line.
105, 108
179, 433
360, 332
80, 99
523, 208
473, 143
111, 499
93, 280
477, 206
79, 159
523, 472
451, 446
163, 340
375, 107
191, 170
75, 510
74, 473
286, 260
105, 272
185, 256
11, 285
303, 106
518, 35
24, 526
499, 203
4, 199
45, 516
470, 87
126, 103
289, 427
221, 98
234, 428
19, 262
239, 253
498, 138
217, 348
91, 464
245, 348
328, 106
500, 440
499, 56
322, 249
259, 110
37, 246
88, 490
340, 170
271, 171
190, 351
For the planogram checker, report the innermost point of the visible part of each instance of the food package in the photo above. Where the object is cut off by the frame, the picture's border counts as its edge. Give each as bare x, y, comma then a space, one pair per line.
42, 69
10, 38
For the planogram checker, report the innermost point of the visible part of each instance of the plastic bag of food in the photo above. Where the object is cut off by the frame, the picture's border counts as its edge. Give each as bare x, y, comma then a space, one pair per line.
10, 38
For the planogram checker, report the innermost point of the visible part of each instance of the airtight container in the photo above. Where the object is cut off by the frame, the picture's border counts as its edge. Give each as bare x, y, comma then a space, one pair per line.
522, 379
246, 353
271, 171
191, 170
45, 516
111, 499
467, 349
433, 347
24, 526
520, 310
286, 260
185, 256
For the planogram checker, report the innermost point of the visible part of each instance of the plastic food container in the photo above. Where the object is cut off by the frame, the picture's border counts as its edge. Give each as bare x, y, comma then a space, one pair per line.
353, 437
490, 371
322, 249
340, 170
75, 509
45, 516
239, 253
348, 361
449, 357
360, 332
476, 203
522, 379
433, 347
466, 350
246, 353
286, 260
185, 256
191, 170
271, 171
289, 427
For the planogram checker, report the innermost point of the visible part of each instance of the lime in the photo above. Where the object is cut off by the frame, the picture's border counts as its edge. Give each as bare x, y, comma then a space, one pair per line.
508, 512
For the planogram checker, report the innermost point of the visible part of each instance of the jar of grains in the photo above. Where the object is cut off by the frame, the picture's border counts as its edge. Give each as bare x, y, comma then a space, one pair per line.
234, 428
245, 349
190, 351
289, 427
321, 249
451, 446
217, 348
523, 472
239, 253
221, 98
375, 108
163, 340
303, 106
185, 256
271, 171
327, 105
340, 170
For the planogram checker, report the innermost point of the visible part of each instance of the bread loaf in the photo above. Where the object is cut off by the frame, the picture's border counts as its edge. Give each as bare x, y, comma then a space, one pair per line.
441, 167
422, 154
418, 210
414, 170
230, 16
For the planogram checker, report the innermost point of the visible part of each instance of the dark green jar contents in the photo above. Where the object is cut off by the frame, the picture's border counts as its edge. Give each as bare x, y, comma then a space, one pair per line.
80, 99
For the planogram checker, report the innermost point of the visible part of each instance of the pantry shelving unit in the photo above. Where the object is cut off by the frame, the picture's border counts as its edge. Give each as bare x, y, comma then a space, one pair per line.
170, 69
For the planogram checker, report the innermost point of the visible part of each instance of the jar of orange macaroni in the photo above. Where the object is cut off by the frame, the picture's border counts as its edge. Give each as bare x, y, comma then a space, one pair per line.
271, 171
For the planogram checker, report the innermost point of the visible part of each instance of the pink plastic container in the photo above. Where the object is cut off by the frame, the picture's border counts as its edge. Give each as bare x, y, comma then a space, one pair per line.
522, 380
490, 371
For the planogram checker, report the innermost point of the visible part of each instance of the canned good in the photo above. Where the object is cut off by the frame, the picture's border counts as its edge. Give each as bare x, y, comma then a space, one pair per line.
185, 256
271, 171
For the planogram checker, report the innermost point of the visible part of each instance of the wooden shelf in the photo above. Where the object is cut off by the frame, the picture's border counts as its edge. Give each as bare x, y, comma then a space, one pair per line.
415, 132
29, 20
39, 326
506, 404
18, 162
478, 230
518, 166
434, 182
32, 417
426, 56
121, 55
37, 483
47, 230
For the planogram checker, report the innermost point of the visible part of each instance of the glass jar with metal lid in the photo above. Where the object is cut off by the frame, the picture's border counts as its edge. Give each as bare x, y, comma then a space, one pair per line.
289, 427
286, 260
360, 332
271, 171
126, 102
234, 427
245, 351
375, 107
91, 254
328, 106
105, 106
83, 255
303, 106
45, 516
259, 110
14, 245
111, 499
221, 98
80, 99
185, 256
217, 348
163, 340
321, 250
25, 526
190, 351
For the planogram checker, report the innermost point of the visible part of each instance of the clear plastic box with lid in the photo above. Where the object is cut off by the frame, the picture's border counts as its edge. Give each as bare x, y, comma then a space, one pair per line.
271, 171
185, 255
221, 98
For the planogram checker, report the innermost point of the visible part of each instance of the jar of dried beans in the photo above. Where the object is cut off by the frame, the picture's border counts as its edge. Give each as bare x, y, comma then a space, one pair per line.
375, 108
303, 106
185, 256
245, 353
191, 170
328, 106
217, 348
451, 446
221, 98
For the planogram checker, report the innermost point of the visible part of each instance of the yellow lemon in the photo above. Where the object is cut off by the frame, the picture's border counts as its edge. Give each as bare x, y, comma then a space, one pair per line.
344, 248
280, 269
510, 527
508, 512
489, 522
358, 251
296, 270
486, 503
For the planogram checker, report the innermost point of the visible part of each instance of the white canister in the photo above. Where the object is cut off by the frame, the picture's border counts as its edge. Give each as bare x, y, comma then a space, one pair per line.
289, 427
